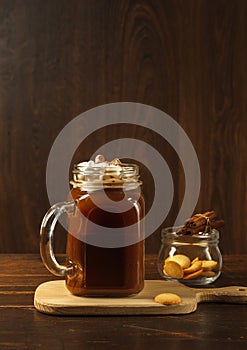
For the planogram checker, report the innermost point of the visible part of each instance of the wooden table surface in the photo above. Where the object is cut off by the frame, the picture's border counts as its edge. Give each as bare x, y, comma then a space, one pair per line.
23, 327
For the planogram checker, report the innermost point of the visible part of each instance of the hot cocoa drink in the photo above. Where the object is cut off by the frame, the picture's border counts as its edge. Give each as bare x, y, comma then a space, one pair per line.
100, 270
105, 245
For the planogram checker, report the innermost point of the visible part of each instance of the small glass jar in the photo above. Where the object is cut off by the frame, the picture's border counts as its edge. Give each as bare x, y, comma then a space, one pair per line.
198, 255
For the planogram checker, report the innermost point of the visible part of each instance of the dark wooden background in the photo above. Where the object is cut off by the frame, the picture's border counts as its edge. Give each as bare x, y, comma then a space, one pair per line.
60, 58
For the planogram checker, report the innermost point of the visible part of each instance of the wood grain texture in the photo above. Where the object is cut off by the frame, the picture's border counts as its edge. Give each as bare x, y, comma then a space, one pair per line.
22, 327
60, 58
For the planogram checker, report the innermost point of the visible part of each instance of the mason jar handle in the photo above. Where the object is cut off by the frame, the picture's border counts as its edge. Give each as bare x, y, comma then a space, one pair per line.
46, 238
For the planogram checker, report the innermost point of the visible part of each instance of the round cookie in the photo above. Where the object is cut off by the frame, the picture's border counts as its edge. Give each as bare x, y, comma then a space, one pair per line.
182, 260
173, 269
208, 265
197, 265
167, 299
191, 276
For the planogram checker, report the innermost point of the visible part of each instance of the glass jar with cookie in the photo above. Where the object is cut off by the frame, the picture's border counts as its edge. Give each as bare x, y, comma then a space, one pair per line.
190, 254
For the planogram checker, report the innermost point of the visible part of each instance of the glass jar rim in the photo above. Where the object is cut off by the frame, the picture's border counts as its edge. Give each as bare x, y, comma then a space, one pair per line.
171, 232
95, 176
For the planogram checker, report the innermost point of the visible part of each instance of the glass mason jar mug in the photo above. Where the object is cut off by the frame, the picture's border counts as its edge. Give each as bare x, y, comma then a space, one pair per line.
105, 242
190, 259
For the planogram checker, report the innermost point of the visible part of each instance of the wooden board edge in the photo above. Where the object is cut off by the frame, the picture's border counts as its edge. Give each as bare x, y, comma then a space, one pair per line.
54, 309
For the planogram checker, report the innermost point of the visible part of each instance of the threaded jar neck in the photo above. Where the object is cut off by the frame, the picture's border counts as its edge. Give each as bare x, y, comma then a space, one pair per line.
110, 176
169, 234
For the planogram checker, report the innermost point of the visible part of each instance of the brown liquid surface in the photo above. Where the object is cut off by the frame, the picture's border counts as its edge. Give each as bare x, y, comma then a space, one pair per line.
105, 271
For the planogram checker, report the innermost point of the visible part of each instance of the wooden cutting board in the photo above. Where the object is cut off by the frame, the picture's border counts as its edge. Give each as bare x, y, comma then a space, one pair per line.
53, 298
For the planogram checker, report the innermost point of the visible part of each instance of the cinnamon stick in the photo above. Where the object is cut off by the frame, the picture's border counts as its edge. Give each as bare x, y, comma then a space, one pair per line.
200, 219
200, 223
193, 231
